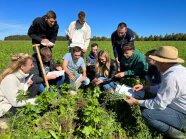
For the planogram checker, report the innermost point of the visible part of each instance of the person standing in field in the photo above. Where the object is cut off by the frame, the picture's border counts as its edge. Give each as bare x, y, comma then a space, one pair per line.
13, 80
167, 111
44, 30
121, 36
79, 33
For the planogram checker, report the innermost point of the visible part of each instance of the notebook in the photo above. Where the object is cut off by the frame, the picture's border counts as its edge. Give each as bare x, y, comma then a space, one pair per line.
56, 72
77, 83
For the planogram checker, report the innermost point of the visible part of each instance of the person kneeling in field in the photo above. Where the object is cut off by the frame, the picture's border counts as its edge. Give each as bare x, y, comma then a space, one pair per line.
133, 63
49, 66
12, 81
167, 111
73, 65
105, 69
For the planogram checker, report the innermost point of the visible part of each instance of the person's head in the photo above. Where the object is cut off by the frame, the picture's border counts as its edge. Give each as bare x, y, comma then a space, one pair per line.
94, 49
165, 57
81, 17
122, 29
149, 60
103, 63
128, 50
18, 62
46, 54
50, 18
76, 52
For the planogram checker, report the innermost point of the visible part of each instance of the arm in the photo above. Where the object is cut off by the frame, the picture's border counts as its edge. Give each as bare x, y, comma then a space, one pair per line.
11, 90
33, 30
166, 94
67, 71
54, 35
113, 72
138, 69
114, 47
37, 78
87, 36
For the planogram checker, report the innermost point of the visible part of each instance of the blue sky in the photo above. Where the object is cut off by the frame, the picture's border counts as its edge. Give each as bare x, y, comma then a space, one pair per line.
145, 17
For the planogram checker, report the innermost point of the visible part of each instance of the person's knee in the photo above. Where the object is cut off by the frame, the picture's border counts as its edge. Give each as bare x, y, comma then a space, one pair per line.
146, 113
87, 81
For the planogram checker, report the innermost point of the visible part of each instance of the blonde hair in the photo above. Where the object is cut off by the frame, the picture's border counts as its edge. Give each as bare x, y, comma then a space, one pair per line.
17, 60
103, 70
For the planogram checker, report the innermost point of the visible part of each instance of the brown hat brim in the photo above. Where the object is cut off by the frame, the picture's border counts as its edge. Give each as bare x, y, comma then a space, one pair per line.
164, 60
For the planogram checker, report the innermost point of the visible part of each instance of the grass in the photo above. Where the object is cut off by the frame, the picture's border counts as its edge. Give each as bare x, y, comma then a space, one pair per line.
10, 47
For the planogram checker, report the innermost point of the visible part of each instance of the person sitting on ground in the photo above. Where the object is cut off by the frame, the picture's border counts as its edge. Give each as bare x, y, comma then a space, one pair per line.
153, 76
49, 66
133, 63
167, 111
91, 61
13, 80
74, 66
105, 69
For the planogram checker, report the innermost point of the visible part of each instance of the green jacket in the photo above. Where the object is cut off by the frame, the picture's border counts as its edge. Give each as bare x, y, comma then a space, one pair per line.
136, 65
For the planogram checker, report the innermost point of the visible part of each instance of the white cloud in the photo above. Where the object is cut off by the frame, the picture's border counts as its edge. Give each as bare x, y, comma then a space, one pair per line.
7, 29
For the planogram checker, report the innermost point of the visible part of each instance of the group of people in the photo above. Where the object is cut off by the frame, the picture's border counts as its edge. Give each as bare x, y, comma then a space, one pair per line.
161, 68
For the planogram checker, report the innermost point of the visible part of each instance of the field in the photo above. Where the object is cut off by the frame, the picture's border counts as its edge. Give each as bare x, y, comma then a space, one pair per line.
91, 114
9, 47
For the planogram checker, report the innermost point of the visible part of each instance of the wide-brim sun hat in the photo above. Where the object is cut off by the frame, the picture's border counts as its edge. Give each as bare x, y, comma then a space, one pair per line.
167, 54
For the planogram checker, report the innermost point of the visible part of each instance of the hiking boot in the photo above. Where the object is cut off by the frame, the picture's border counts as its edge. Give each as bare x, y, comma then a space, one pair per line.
174, 133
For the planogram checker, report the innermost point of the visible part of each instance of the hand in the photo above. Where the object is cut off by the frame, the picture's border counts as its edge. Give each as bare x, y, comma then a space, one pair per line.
30, 82
58, 68
94, 80
51, 77
88, 63
120, 75
98, 82
83, 78
72, 77
84, 50
137, 88
45, 41
131, 100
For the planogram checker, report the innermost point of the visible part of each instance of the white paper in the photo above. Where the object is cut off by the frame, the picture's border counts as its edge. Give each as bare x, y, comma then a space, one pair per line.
127, 90
50, 43
77, 83
26, 85
56, 72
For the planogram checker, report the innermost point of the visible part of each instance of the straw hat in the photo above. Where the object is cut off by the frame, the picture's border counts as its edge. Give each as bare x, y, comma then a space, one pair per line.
167, 54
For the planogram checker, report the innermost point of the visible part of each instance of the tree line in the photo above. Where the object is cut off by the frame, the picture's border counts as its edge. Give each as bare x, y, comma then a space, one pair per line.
166, 37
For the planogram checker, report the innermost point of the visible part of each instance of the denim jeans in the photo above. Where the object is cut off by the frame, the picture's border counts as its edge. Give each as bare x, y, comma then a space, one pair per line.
161, 120
86, 82
58, 82
110, 85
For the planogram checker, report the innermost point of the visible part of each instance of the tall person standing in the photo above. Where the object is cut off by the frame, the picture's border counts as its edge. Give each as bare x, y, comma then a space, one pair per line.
123, 35
44, 30
79, 33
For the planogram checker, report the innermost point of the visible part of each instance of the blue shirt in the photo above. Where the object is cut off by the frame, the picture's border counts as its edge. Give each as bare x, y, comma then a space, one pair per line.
74, 66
